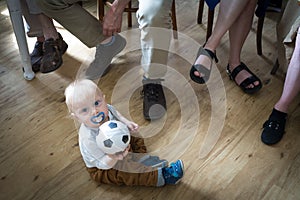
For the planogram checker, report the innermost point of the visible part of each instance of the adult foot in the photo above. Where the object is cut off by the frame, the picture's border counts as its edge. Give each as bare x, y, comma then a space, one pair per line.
154, 104
200, 71
52, 54
274, 127
104, 55
244, 78
36, 56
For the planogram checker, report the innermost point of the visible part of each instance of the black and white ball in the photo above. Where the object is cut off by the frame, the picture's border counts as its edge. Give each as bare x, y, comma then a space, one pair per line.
113, 137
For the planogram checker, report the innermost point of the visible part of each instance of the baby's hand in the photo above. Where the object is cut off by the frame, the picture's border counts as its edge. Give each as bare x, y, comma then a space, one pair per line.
125, 152
133, 127
117, 156
120, 155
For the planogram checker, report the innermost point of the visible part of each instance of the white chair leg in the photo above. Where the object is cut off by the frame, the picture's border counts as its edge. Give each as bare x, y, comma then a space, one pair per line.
14, 8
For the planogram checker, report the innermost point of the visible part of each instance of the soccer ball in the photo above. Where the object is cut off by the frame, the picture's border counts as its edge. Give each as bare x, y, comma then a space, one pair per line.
113, 137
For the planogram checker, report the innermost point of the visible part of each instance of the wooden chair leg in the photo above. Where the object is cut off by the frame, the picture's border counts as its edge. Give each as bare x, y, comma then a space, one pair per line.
100, 9
260, 24
174, 20
275, 67
210, 18
210, 22
200, 11
129, 16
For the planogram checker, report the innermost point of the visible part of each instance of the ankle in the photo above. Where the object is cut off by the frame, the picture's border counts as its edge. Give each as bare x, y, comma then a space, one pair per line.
233, 65
53, 36
277, 115
108, 41
210, 45
40, 39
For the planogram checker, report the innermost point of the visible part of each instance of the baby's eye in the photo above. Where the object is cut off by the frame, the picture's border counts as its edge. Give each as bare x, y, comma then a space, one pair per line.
97, 103
84, 110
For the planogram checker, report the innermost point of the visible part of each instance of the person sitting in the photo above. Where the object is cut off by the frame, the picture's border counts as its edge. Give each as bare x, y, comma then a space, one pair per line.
288, 31
109, 43
50, 46
86, 104
236, 17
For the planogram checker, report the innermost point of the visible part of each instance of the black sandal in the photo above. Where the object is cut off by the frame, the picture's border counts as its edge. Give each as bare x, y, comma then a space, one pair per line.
202, 69
250, 80
273, 131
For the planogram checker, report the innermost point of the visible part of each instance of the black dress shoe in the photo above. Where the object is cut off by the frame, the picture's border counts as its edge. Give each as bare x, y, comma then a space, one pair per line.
154, 104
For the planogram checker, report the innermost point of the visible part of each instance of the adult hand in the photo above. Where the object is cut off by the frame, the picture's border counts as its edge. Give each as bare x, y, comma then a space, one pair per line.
112, 21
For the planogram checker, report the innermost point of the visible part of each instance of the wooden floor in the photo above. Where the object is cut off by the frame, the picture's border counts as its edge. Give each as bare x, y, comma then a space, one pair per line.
214, 129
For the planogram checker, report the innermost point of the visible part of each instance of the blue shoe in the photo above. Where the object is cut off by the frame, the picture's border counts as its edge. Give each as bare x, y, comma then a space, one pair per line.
174, 173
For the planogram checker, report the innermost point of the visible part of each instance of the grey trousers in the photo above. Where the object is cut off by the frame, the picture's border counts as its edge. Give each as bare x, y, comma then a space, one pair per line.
30, 11
87, 28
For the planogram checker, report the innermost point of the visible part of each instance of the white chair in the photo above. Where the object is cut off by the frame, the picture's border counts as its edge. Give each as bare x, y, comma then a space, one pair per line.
15, 12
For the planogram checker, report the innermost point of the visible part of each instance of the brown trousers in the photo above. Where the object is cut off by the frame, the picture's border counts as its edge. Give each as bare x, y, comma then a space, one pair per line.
132, 173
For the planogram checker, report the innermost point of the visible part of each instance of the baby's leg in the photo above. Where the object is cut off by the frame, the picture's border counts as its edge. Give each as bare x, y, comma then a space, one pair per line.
128, 173
137, 145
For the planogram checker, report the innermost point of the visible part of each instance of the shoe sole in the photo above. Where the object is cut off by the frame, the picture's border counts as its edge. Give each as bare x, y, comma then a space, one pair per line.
182, 169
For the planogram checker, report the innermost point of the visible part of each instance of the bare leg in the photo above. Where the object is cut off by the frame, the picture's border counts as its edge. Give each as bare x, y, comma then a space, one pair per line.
40, 39
238, 33
49, 29
230, 11
274, 127
291, 85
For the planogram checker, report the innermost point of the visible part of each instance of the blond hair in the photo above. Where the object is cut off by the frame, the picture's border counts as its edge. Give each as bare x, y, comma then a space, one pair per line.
80, 91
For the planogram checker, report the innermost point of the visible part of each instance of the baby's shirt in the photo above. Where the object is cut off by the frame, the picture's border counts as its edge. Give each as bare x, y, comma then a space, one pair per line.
92, 155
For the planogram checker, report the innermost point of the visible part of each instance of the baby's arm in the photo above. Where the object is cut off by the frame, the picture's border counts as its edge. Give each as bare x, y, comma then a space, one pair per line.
130, 124
120, 155
96, 156
110, 160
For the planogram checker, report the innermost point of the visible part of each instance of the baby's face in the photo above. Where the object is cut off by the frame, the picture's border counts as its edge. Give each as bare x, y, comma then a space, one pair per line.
92, 112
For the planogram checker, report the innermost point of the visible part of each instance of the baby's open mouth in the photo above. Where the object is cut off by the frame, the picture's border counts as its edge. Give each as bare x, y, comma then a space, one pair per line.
98, 118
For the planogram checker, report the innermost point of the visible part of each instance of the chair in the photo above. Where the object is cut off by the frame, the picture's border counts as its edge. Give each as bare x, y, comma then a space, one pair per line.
260, 13
129, 9
210, 17
210, 20
15, 13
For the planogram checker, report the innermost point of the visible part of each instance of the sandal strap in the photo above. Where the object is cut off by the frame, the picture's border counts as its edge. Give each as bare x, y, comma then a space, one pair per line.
248, 81
232, 74
237, 70
245, 83
212, 55
203, 69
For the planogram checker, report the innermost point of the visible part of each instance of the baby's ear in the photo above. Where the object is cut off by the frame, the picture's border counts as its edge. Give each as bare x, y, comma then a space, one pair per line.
73, 116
